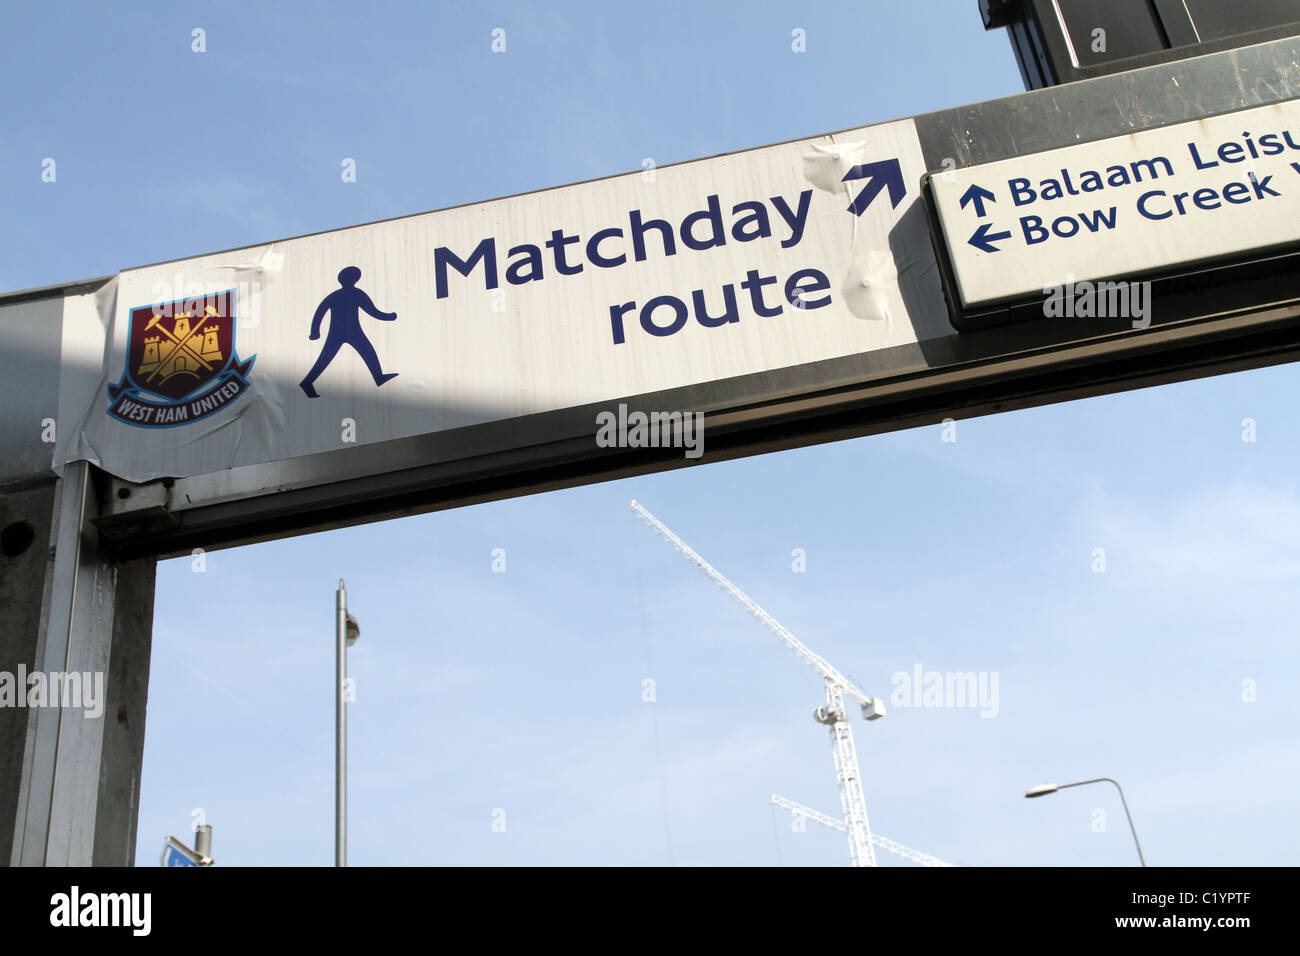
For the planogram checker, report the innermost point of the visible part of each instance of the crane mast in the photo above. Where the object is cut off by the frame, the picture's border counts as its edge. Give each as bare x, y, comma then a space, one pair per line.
832, 714
906, 852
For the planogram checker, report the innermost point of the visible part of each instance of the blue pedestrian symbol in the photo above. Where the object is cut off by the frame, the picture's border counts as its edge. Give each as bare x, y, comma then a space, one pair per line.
344, 305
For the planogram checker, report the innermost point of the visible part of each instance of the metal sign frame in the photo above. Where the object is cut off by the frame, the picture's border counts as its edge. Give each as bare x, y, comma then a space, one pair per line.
1206, 321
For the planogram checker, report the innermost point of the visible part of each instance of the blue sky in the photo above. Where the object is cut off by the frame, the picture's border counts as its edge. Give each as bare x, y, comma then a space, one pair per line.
521, 691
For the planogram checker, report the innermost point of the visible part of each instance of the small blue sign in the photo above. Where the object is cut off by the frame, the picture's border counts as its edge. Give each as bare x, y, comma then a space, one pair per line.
176, 853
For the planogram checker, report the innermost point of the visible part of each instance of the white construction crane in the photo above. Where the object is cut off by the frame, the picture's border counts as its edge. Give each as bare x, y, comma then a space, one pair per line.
832, 714
906, 852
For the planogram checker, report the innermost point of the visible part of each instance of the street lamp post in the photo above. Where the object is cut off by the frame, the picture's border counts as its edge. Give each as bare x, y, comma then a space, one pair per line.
346, 634
1043, 789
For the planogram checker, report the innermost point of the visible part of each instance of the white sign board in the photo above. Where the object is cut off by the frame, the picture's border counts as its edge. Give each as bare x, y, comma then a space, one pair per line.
662, 278
1213, 189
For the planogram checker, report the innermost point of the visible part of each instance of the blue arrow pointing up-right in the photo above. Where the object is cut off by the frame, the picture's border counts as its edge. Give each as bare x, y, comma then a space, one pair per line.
887, 173
977, 194
983, 239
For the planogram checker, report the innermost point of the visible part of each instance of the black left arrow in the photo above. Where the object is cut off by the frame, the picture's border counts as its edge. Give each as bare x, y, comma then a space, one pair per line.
983, 239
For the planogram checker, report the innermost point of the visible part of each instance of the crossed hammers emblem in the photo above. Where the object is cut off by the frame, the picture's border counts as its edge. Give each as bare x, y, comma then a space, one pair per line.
179, 344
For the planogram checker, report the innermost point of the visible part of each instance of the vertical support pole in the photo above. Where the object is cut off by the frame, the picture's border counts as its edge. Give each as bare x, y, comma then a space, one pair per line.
27, 516
78, 793
203, 840
341, 729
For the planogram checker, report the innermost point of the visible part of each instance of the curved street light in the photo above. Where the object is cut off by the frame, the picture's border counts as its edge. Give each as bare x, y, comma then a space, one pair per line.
1043, 789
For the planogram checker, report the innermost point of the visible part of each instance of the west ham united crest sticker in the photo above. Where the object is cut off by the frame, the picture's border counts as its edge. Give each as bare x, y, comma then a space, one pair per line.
180, 363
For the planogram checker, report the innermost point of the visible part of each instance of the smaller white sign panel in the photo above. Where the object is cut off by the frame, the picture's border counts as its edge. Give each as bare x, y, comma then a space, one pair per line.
1210, 190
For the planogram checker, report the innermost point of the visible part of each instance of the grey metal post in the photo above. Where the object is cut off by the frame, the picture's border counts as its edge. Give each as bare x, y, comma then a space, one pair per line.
1132, 829
341, 731
70, 792
203, 840
1046, 788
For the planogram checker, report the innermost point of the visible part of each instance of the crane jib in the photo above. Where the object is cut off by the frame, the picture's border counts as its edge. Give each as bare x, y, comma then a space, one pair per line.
847, 774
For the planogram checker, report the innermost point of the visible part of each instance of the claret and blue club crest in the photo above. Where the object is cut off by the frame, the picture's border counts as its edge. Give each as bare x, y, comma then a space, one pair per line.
180, 363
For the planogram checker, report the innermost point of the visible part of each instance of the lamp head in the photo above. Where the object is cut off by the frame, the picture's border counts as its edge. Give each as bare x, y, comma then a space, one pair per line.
1041, 790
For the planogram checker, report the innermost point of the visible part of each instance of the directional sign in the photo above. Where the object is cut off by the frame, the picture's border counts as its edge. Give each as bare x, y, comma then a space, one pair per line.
596, 293
1134, 206
176, 853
